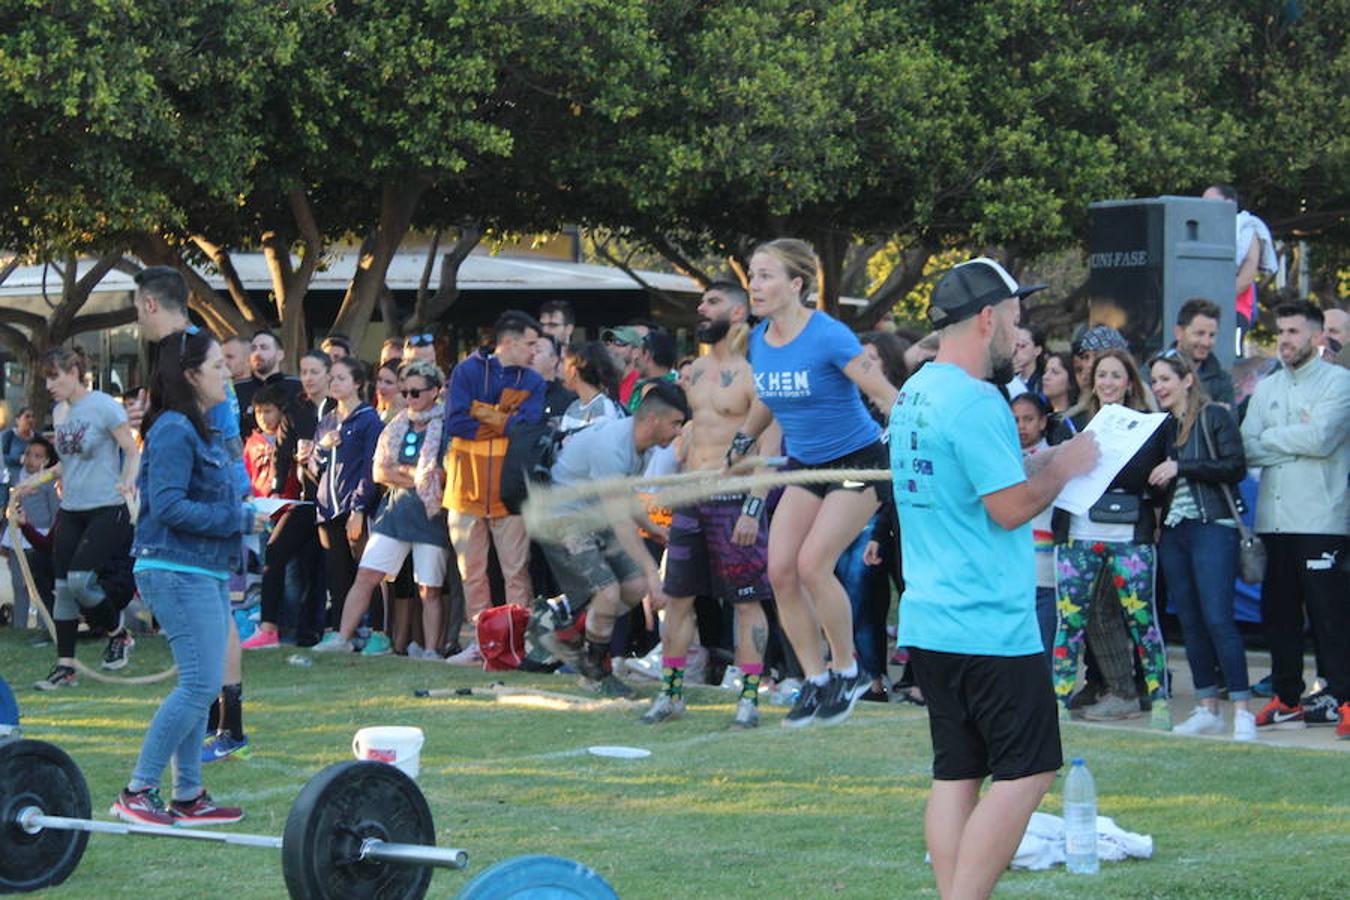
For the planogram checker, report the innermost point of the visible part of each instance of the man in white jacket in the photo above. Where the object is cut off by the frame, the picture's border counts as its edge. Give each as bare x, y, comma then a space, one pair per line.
1297, 430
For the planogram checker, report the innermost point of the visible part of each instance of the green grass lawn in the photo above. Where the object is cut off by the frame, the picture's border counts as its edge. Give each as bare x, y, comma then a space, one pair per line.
712, 813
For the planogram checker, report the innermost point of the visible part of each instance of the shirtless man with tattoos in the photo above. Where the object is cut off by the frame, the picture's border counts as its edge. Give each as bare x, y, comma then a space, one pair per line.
719, 546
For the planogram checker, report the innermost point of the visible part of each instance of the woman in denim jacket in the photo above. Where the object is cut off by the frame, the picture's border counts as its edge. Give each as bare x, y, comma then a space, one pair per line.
187, 544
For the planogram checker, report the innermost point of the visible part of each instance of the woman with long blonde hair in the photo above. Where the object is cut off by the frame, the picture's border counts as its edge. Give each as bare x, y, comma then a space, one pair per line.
1198, 548
1115, 539
808, 370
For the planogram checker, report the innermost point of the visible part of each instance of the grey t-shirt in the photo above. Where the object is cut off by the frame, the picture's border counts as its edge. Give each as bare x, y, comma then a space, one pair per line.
91, 461
602, 450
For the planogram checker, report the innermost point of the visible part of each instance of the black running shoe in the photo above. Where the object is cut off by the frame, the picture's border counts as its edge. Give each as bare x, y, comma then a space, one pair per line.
1321, 708
60, 676
841, 695
807, 704
119, 650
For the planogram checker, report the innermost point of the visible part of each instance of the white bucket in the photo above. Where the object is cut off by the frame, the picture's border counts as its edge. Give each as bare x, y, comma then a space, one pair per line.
398, 745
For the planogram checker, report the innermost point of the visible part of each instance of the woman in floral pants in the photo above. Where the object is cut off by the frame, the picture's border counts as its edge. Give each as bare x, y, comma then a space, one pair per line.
1116, 540
1131, 566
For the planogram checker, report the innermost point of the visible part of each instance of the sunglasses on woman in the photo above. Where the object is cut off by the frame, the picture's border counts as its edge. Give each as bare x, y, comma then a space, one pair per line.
414, 393
420, 340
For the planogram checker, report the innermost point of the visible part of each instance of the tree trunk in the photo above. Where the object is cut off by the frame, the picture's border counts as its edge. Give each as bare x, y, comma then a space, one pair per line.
222, 318
398, 203
902, 279
832, 253
63, 323
430, 310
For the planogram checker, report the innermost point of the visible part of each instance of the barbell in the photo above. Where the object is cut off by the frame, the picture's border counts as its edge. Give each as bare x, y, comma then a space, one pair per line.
358, 829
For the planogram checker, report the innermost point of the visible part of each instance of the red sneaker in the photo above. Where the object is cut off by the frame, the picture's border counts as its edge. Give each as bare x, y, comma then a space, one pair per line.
203, 811
1279, 717
142, 808
1343, 726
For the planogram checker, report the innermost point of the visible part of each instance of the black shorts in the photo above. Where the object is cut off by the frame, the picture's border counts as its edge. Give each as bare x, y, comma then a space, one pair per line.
873, 456
989, 715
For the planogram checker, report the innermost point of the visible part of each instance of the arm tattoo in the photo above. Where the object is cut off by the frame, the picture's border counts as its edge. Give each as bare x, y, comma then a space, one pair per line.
695, 376
759, 637
866, 365
728, 376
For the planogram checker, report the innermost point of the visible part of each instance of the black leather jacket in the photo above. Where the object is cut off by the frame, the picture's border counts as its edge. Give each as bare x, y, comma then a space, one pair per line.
1205, 472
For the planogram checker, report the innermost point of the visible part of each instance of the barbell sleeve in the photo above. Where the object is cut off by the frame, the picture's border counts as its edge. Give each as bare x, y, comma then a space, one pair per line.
414, 854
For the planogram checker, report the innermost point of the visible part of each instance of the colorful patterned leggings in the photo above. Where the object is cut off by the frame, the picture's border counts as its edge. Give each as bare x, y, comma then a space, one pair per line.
1132, 566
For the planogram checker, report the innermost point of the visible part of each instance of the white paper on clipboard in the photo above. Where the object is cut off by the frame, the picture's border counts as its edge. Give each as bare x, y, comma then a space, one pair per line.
1120, 433
270, 506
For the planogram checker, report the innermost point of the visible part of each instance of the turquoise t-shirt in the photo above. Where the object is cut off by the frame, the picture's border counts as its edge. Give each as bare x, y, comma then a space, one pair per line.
804, 385
970, 584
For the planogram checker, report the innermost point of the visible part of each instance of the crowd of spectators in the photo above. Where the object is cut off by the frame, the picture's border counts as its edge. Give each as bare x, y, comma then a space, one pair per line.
393, 535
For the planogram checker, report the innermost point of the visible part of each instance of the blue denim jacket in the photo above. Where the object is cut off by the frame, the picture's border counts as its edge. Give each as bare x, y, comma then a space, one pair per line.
190, 511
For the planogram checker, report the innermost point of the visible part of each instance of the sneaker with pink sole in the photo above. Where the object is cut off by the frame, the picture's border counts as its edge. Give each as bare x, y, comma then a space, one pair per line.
262, 640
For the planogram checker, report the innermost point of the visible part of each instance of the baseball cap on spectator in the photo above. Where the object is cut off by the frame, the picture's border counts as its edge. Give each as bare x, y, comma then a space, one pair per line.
1099, 338
970, 287
624, 334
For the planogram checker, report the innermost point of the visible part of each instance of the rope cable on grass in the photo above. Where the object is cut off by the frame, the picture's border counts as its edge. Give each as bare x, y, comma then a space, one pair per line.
16, 547
547, 518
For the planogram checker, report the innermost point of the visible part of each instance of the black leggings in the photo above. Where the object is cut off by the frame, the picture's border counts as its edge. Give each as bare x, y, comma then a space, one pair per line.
340, 562
85, 543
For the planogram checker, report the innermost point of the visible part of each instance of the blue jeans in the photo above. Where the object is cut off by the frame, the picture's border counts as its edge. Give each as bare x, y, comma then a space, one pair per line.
194, 614
1199, 563
869, 594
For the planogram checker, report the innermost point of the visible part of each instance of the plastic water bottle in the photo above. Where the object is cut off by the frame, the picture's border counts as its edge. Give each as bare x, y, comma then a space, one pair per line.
300, 661
1080, 820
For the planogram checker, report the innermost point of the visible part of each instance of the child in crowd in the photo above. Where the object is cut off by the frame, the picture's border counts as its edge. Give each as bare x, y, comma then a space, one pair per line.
37, 511
1032, 414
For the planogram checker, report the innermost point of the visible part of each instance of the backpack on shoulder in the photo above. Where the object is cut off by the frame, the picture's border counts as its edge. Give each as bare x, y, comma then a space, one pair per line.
530, 453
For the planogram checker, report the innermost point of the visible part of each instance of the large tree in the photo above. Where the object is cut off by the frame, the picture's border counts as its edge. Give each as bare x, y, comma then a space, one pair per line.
865, 125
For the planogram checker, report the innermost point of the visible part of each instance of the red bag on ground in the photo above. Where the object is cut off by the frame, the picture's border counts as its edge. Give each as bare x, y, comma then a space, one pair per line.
501, 637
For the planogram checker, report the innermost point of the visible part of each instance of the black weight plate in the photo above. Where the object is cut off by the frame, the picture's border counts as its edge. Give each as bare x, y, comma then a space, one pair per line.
34, 773
340, 806
538, 878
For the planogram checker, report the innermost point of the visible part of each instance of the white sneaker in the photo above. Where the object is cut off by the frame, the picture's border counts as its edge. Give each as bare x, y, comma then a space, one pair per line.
1202, 721
731, 679
786, 692
648, 666
1244, 725
332, 643
469, 656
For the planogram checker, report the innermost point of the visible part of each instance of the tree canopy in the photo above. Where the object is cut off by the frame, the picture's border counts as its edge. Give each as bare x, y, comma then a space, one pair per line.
888, 132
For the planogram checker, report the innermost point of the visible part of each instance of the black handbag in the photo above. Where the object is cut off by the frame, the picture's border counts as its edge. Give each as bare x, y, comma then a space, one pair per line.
1115, 508
1251, 549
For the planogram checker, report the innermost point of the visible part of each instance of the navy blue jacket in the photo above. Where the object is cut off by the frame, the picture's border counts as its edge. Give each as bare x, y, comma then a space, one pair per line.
190, 512
346, 483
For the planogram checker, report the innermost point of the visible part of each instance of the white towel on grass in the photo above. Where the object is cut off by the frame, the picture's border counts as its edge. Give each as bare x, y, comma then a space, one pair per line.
1043, 843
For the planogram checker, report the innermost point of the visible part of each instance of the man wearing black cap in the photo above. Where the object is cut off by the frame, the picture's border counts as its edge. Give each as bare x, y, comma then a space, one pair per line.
969, 607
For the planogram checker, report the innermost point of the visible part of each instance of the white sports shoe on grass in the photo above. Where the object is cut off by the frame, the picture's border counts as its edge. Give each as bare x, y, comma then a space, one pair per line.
1202, 721
1244, 725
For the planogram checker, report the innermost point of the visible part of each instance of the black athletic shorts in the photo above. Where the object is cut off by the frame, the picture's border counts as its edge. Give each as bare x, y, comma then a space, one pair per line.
989, 715
873, 456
